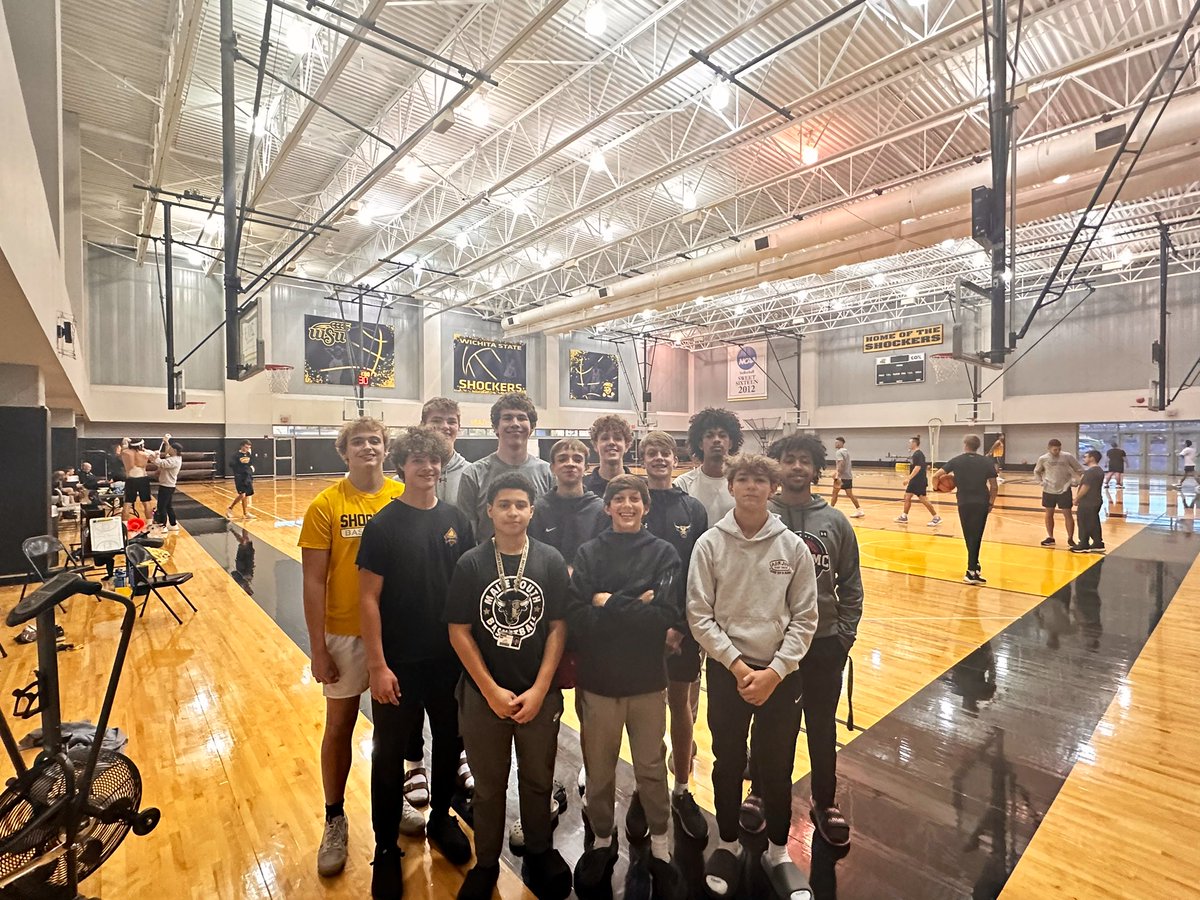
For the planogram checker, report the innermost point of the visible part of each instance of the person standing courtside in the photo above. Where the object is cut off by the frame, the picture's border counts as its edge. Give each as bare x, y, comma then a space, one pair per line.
506, 614
1116, 465
405, 561
713, 436
917, 484
168, 461
611, 437
834, 548
442, 415
513, 419
1057, 471
843, 477
678, 519
1188, 457
137, 482
242, 466
997, 455
624, 595
329, 539
976, 480
752, 605
1089, 502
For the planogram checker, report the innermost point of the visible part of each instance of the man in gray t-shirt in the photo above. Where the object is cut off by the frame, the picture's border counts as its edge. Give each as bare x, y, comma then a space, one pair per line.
1057, 471
843, 477
513, 417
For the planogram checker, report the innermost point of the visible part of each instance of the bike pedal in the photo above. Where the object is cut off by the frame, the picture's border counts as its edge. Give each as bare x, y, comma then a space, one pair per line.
25, 705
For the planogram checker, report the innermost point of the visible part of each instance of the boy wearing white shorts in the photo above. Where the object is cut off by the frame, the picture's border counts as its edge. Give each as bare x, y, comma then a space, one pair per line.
329, 540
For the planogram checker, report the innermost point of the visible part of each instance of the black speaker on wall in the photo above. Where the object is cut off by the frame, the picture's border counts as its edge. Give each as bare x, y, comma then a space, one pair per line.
24, 482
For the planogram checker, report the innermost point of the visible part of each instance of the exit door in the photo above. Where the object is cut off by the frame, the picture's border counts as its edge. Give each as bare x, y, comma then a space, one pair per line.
285, 450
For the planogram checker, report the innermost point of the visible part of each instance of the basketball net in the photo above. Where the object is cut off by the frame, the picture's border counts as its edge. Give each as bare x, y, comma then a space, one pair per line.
945, 367
281, 377
935, 432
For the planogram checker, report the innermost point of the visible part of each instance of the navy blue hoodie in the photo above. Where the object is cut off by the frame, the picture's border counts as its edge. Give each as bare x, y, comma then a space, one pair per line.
565, 523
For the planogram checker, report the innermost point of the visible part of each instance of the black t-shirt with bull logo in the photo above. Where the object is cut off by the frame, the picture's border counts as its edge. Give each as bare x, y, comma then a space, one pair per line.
509, 620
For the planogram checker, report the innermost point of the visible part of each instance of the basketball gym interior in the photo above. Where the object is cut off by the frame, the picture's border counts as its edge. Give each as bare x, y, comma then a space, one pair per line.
879, 220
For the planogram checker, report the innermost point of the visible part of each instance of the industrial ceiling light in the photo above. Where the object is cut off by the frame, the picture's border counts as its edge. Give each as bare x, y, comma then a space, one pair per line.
879, 279
260, 123
461, 241
700, 301
677, 338
519, 205
298, 38
412, 172
1061, 179
193, 256
948, 244
718, 95
478, 111
497, 281
809, 154
1125, 257
365, 214
608, 232
689, 199
739, 309
597, 162
595, 18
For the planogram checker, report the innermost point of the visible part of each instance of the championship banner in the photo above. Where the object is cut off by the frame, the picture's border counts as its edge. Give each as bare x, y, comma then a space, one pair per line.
593, 376
488, 366
337, 351
925, 336
746, 371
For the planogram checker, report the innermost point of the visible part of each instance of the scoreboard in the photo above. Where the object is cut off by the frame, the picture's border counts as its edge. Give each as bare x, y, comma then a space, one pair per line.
904, 368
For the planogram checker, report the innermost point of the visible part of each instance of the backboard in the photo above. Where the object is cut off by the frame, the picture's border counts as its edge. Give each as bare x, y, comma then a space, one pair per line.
251, 353
369, 407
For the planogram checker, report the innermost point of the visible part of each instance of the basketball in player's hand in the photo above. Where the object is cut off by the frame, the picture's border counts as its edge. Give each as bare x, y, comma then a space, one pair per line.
945, 483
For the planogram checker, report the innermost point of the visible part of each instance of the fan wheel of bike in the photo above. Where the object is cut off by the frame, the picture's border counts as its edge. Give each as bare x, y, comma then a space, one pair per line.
110, 813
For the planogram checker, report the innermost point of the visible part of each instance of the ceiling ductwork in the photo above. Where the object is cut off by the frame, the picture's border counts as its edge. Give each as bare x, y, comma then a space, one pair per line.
751, 261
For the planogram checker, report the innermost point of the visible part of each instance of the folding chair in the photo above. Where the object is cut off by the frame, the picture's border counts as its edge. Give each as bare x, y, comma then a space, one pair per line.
42, 551
148, 576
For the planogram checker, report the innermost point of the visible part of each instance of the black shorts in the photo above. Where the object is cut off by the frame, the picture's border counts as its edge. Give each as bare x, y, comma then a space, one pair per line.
847, 484
1189, 470
1057, 501
1116, 470
137, 489
244, 485
684, 666
918, 487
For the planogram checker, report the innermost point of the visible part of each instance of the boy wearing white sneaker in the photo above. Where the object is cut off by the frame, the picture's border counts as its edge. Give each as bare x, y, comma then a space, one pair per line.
752, 606
917, 484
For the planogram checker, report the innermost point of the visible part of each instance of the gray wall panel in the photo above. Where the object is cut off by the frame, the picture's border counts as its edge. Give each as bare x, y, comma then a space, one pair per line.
127, 342
712, 387
289, 305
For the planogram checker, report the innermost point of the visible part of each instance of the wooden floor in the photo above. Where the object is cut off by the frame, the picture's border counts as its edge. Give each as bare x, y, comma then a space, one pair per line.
225, 721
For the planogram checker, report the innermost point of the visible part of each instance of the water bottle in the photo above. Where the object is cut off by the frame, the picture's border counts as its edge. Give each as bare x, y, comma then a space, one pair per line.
119, 577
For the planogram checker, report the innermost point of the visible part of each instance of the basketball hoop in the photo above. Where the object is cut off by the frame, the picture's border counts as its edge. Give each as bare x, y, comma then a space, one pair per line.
281, 377
935, 431
196, 408
945, 366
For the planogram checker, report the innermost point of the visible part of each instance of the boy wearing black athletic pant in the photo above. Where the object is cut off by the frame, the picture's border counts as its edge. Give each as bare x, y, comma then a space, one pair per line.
570, 515
834, 547
976, 483
623, 598
752, 605
1088, 502
505, 615
406, 558
678, 519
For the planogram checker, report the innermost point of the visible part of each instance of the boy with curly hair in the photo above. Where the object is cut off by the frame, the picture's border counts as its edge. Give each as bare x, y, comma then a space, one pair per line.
714, 435
611, 439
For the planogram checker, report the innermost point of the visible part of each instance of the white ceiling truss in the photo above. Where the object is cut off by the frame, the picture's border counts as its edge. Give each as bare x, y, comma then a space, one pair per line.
600, 157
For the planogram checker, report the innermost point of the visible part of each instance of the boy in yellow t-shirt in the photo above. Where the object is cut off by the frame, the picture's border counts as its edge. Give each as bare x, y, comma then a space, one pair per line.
329, 542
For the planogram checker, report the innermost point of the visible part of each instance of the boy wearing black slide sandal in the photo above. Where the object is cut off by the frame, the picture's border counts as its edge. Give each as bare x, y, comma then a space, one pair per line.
752, 606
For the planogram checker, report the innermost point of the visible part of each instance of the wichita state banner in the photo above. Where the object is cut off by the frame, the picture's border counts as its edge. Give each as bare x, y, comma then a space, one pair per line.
488, 365
747, 379
340, 352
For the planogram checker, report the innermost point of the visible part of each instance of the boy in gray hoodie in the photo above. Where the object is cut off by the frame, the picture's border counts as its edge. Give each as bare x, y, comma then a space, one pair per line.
831, 540
443, 416
752, 606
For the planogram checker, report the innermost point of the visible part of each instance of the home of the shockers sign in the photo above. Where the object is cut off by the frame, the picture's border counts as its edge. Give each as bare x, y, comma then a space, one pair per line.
925, 336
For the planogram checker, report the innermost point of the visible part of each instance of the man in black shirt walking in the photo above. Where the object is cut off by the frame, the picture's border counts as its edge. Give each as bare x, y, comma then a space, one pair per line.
975, 476
917, 484
1116, 465
406, 558
242, 466
505, 614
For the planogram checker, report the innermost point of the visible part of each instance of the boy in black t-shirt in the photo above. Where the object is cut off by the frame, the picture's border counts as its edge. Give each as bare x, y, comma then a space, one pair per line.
1088, 502
406, 558
976, 479
1116, 465
505, 614
624, 596
242, 466
917, 484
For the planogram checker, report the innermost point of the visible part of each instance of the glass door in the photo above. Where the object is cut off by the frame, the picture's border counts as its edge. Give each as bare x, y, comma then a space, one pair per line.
1131, 443
284, 453
1158, 453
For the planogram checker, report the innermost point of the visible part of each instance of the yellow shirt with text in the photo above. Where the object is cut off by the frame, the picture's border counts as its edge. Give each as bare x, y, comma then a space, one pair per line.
335, 522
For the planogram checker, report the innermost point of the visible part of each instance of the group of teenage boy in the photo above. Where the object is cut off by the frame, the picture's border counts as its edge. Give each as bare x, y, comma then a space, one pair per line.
471, 594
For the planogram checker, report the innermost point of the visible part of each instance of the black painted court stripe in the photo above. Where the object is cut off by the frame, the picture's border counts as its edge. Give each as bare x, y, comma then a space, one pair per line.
945, 792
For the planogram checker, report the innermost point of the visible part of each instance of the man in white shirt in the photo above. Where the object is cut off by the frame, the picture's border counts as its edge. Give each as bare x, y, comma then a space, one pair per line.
168, 460
843, 477
1188, 455
713, 436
